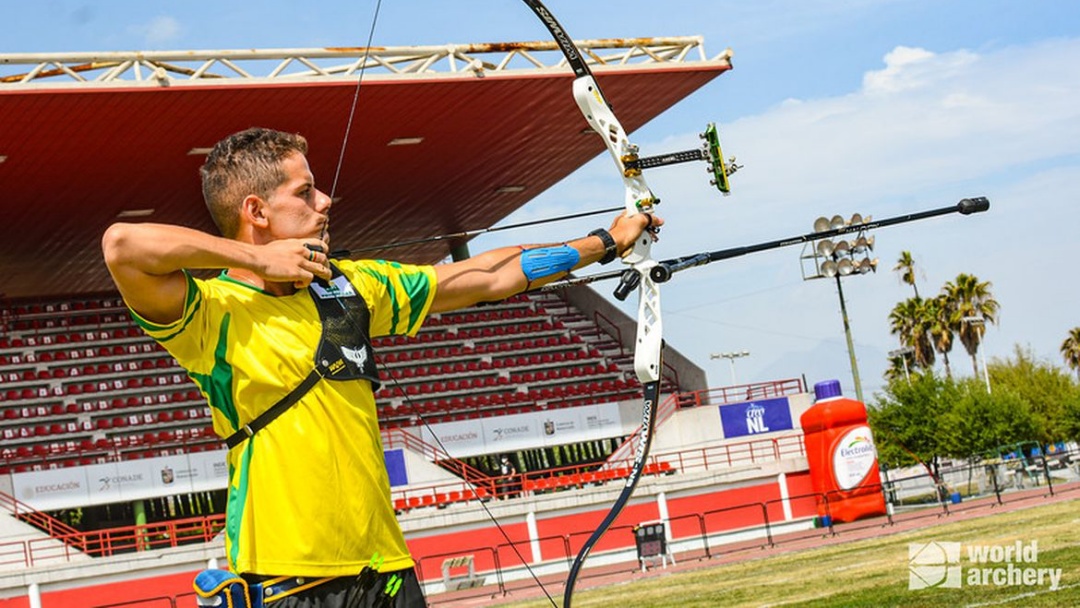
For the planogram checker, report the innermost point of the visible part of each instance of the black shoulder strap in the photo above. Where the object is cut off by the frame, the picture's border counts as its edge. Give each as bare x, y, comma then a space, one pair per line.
344, 351
275, 410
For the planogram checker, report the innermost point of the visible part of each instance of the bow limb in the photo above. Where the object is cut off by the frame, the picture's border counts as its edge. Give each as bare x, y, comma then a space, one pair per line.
638, 199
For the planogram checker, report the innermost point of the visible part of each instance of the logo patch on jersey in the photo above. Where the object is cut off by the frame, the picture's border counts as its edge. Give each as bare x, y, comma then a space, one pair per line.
340, 287
357, 355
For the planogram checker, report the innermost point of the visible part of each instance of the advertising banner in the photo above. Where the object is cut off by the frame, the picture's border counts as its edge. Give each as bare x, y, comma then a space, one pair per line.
129, 480
542, 428
51, 490
756, 417
112, 482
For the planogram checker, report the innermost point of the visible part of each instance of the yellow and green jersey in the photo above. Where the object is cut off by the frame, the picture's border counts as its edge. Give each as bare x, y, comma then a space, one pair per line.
309, 494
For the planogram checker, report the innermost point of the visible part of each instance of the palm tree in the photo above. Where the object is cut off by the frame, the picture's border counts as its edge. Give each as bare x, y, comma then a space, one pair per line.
910, 322
1070, 349
905, 265
941, 329
969, 298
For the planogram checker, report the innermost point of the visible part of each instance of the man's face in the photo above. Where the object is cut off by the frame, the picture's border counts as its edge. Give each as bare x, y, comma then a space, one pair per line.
297, 209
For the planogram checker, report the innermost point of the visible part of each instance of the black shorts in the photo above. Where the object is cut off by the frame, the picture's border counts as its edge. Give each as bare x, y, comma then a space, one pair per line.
345, 592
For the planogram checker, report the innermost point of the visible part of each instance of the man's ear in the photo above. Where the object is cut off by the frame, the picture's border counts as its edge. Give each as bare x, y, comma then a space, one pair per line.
253, 211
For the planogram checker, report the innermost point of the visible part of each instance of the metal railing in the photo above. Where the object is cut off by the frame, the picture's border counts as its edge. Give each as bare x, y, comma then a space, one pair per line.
68, 546
742, 392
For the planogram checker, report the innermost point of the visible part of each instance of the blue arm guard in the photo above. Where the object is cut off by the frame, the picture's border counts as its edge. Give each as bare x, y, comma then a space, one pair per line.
546, 261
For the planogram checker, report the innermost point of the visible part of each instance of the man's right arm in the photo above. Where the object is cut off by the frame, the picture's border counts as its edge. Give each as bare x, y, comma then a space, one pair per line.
147, 262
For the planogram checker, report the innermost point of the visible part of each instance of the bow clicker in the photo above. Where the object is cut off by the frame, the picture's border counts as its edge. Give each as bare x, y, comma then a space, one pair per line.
639, 199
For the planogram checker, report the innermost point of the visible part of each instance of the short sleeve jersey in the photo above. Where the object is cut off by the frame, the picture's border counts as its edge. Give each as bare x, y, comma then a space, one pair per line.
309, 494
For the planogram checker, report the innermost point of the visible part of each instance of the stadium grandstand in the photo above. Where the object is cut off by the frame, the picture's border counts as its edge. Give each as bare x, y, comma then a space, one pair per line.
112, 481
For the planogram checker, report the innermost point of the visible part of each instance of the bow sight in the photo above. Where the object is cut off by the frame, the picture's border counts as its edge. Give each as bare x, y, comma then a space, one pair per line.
709, 152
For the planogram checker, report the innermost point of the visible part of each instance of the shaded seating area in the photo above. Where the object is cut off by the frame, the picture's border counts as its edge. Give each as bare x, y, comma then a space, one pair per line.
80, 383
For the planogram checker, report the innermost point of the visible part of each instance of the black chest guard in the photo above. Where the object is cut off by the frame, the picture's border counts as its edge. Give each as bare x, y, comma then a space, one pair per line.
344, 351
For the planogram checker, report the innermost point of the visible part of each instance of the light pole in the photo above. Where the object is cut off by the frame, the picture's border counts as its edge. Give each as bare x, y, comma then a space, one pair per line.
731, 359
980, 322
903, 353
841, 258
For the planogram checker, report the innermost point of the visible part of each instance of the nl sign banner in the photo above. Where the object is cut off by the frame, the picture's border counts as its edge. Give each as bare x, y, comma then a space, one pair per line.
756, 417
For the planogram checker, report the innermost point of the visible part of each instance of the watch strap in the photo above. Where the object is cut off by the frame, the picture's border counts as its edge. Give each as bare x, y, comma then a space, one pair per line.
610, 250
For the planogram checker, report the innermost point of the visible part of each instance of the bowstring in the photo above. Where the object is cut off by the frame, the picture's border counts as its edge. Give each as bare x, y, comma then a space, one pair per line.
352, 108
472, 486
393, 380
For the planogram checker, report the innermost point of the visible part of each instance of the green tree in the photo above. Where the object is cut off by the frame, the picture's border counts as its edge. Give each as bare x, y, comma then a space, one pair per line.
980, 422
910, 321
905, 419
933, 417
1047, 389
1070, 350
1070, 423
968, 297
905, 265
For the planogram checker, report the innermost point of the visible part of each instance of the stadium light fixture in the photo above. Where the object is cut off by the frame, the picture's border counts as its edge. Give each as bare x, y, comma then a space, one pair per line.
731, 359
902, 354
832, 259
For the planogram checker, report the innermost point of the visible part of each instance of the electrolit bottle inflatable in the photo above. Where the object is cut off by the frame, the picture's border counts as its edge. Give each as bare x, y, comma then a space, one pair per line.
843, 460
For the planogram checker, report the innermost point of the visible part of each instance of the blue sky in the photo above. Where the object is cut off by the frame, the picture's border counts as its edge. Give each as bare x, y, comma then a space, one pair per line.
876, 106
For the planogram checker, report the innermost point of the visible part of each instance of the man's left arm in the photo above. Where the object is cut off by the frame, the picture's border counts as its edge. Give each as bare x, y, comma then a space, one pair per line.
500, 273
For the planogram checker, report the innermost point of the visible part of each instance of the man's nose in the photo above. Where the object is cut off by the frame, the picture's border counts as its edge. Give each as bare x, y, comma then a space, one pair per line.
323, 202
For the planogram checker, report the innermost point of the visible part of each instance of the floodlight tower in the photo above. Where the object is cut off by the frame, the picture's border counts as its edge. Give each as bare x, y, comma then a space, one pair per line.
834, 259
731, 359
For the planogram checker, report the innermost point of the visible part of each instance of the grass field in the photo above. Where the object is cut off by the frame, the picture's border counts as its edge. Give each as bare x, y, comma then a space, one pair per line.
870, 573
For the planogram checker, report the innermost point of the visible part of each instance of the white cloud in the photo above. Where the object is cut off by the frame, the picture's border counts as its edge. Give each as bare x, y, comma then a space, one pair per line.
913, 68
159, 32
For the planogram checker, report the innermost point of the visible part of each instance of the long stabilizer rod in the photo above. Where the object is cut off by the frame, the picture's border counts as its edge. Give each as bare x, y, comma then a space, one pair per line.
665, 269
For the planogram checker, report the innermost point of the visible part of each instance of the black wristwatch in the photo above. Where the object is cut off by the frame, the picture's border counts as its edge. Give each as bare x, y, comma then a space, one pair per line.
610, 250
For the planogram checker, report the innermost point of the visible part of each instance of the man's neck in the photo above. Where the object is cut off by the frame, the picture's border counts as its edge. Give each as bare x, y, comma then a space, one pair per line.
272, 288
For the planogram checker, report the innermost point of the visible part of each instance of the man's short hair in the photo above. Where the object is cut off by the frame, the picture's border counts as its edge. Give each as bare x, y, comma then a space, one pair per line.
248, 162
